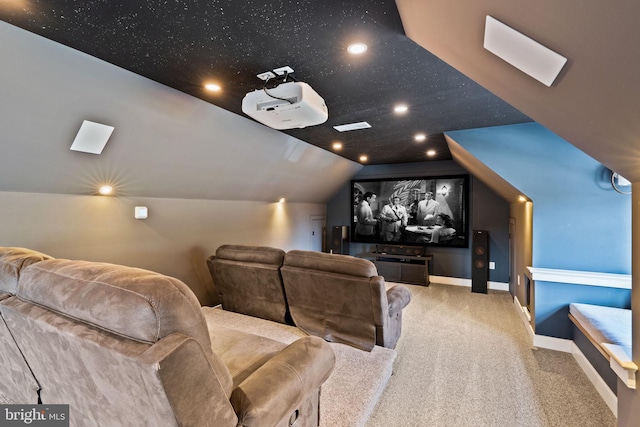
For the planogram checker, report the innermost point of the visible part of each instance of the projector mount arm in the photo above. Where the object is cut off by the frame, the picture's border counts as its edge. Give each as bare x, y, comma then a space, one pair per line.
281, 73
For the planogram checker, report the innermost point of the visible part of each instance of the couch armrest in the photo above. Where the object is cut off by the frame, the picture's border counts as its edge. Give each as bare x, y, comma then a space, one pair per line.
276, 389
192, 382
398, 297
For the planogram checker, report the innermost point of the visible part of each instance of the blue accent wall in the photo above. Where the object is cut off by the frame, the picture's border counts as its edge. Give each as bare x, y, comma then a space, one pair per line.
579, 221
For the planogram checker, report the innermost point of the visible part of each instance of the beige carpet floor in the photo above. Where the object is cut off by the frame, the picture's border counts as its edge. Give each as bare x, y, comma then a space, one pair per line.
466, 359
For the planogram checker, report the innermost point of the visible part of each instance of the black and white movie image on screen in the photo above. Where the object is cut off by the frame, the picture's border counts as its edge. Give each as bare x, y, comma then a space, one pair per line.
414, 211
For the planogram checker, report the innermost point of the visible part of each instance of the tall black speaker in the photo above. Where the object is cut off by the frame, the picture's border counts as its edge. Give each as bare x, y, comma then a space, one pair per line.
339, 243
480, 261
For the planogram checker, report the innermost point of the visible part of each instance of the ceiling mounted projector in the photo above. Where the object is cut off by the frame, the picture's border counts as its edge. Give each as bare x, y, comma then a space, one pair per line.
289, 105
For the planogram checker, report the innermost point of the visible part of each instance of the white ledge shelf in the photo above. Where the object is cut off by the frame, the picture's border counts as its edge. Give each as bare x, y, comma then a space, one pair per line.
587, 278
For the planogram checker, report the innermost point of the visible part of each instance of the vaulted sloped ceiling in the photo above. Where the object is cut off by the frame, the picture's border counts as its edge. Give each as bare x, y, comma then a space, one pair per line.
594, 103
165, 143
172, 139
185, 44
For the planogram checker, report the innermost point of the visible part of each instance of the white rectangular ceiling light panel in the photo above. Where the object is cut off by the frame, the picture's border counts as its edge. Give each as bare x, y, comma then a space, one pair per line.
352, 126
92, 137
522, 52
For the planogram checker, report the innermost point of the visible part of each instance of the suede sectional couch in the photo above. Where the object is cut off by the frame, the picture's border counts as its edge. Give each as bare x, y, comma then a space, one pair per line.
339, 298
125, 346
18, 382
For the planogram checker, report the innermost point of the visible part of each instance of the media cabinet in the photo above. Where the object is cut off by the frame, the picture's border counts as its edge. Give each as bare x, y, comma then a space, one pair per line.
403, 264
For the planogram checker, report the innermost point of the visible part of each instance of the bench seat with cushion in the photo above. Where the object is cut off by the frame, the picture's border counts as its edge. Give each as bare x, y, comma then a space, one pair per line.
603, 334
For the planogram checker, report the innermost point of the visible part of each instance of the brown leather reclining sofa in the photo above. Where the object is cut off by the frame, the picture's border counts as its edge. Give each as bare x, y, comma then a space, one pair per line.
339, 298
125, 346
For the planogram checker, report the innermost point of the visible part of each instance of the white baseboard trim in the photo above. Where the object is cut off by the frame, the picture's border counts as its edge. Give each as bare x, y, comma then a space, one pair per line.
603, 389
450, 280
523, 315
499, 286
553, 343
456, 281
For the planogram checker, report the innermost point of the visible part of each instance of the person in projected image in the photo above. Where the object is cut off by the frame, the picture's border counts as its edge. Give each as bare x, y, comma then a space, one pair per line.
366, 225
428, 210
444, 230
394, 220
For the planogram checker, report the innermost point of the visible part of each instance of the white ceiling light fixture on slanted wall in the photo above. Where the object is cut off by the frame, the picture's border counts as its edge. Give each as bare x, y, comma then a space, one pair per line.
92, 137
522, 52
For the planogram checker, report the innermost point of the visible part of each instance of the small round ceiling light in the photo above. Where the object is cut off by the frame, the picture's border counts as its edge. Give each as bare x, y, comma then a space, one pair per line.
213, 87
431, 153
337, 146
400, 109
357, 48
419, 137
105, 190
282, 200
364, 158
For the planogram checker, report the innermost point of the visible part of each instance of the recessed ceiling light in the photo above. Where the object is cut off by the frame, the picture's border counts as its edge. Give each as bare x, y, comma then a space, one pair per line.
213, 87
337, 145
420, 137
357, 48
431, 153
400, 109
282, 200
364, 158
105, 190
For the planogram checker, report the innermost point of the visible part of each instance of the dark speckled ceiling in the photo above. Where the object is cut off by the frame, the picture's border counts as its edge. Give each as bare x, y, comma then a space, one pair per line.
184, 44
